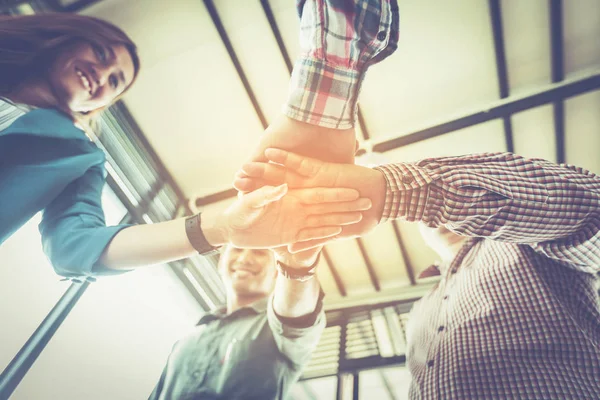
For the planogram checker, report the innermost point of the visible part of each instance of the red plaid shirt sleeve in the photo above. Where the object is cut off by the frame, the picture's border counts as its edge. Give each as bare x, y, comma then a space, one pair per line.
555, 209
339, 40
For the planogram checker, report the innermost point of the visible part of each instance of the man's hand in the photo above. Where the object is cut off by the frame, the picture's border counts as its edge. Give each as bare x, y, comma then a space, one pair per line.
273, 216
298, 171
333, 145
302, 259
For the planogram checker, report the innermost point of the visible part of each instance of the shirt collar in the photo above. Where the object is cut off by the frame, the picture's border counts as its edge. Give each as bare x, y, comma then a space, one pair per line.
258, 307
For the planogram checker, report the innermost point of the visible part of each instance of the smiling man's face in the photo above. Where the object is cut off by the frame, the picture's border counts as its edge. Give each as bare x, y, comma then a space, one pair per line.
248, 271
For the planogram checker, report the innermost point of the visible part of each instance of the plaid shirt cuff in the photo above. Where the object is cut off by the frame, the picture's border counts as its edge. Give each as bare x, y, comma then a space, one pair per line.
323, 94
407, 189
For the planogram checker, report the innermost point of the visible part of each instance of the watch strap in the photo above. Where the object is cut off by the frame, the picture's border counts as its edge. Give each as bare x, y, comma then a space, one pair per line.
298, 274
193, 230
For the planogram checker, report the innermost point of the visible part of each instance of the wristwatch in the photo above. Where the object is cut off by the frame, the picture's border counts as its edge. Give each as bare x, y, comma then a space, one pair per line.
193, 230
298, 274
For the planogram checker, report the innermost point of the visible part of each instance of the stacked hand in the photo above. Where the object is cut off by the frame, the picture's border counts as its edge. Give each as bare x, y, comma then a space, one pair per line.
273, 216
302, 172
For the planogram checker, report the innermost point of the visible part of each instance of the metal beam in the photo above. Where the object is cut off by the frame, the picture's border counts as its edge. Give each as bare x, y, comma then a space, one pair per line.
369, 264
342, 356
355, 385
336, 276
22, 362
214, 15
216, 197
266, 6
500, 109
506, 107
501, 68
558, 74
362, 123
371, 362
407, 264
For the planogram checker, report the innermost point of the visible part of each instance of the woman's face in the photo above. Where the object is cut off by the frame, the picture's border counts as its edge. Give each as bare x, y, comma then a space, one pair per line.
85, 77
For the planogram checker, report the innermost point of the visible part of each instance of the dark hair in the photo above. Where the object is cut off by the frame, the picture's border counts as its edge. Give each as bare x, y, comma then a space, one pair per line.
28, 43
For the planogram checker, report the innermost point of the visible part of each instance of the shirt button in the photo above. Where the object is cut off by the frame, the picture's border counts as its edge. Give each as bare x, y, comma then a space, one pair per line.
430, 363
445, 297
441, 328
407, 178
381, 35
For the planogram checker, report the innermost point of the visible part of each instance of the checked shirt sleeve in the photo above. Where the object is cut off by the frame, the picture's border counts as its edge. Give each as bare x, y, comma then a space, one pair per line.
339, 40
555, 209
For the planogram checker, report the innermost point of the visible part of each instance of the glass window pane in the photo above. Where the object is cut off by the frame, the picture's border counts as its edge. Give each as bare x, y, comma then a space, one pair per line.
114, 210
372, 386
315, 389
29, 288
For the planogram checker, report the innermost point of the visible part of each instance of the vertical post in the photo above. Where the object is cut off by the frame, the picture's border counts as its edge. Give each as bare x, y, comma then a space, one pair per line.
558, 74
501, 68
355, 385
22, 362
341, 360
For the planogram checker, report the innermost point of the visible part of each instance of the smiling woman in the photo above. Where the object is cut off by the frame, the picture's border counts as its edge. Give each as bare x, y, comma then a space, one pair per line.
44, 58
59, 69
89, 78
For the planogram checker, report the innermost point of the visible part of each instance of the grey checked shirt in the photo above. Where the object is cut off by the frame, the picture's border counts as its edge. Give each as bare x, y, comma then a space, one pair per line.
248, 354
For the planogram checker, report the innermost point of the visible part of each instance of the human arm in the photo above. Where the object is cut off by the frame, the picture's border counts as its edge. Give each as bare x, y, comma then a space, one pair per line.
295, 312
266, 218
78, 242
294, 298
339, 41
298, 171
555, 209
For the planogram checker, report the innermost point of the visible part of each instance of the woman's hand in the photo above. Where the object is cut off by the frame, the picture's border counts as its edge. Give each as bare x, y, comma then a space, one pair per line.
275, 216
303, 172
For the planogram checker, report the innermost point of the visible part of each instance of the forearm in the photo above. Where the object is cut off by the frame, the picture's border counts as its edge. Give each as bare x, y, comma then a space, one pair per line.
158, 243
142, 245
293, 299
500, 196
311, 140
338, 43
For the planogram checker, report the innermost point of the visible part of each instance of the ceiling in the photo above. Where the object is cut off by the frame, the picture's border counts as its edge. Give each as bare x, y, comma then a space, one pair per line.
455, 66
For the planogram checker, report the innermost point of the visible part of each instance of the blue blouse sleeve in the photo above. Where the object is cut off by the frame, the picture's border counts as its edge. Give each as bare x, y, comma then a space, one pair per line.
73, 228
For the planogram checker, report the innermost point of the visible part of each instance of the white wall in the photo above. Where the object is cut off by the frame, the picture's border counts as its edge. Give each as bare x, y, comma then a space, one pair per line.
114, 343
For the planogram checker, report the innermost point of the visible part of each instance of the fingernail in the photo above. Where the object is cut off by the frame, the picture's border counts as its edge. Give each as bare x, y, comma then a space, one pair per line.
365, 203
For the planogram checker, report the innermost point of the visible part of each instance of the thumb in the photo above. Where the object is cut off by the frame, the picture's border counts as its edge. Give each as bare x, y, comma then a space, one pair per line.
265, 195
